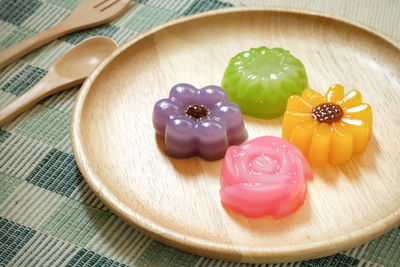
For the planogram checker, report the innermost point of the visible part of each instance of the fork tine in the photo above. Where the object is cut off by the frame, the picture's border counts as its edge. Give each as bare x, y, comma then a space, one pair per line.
99, 4
106, 4
109, 5
113, 6
103, 11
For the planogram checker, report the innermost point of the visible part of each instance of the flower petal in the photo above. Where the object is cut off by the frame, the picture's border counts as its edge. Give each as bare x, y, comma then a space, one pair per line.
246, 91
163, 109
302, 134
210, 95
231, 115
230, 168
212, 139
243, 159
334, 94
298, 104
341, 145
320, 142
253, 200
312, 97
293, 202
185, 93
360, 131
362, 112
351, 99
291, 120
180, 140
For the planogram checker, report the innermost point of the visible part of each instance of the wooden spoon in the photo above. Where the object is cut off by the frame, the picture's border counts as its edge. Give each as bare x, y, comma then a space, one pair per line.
88, 14
70, 70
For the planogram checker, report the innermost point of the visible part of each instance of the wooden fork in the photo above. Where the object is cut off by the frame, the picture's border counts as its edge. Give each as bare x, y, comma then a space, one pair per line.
88, 14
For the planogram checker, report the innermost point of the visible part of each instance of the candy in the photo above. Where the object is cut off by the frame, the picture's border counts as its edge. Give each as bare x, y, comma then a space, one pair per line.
198, 122
330, 128
264, 176
261, 80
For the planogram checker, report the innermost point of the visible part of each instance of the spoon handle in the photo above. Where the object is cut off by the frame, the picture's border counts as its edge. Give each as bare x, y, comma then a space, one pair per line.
24, 47
48, 85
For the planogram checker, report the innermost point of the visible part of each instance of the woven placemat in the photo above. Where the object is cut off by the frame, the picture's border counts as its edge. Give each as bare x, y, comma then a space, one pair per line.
48, 214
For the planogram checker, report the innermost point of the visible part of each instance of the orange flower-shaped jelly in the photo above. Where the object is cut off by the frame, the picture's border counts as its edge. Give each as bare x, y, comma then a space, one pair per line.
330, 128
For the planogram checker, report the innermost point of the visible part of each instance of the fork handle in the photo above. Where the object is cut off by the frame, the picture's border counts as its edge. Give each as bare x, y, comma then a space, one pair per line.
24, 47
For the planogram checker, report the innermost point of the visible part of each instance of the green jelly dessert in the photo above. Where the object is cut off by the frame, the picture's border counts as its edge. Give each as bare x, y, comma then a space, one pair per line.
261, 80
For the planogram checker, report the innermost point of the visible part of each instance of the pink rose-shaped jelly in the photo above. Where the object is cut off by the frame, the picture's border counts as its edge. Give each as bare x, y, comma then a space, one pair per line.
265, 176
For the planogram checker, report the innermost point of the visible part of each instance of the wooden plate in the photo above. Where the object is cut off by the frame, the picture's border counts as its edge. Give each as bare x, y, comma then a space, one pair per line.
177, 201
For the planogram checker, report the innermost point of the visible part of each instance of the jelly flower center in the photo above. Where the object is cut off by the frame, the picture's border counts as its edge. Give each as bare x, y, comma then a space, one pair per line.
264, 164
327, 113
197, 112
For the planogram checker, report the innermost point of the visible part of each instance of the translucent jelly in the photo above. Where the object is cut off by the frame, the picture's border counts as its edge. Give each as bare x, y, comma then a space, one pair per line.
264, 176
330, 128
198, 122
261, 80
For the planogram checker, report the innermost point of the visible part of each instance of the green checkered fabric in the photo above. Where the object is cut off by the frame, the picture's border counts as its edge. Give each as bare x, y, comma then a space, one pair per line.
48, 214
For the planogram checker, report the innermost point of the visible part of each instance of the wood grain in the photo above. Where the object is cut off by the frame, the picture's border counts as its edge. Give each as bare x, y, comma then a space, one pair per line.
69, 71
382, 15
88, 14
177, 201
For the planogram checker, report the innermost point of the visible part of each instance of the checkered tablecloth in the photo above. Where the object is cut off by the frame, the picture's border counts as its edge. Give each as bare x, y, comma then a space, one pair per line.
48, 214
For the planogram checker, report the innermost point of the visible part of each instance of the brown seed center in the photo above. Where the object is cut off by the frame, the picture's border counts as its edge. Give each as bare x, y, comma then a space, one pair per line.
327, 113
197, 112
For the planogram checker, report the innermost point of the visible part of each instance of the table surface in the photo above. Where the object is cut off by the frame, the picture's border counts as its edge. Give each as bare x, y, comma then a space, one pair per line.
48, 214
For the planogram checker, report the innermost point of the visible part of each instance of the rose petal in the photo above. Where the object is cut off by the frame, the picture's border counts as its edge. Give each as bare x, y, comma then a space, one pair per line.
292, 203
253, 200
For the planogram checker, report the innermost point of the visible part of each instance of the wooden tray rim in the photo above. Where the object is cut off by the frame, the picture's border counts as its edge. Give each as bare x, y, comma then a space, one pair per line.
210, 249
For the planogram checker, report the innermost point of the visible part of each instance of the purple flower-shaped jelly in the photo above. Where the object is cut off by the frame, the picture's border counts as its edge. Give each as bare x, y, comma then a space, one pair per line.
198, 122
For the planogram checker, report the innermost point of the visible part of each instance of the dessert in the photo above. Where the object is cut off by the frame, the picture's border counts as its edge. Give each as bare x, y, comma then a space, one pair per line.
330, 128
198, 122
264, 176
261, 80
